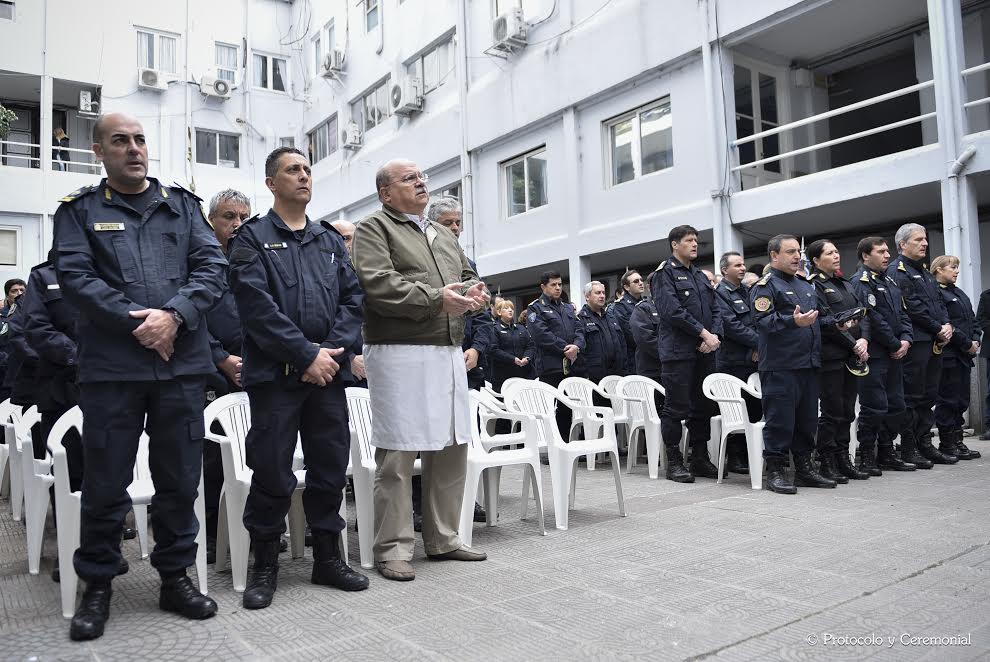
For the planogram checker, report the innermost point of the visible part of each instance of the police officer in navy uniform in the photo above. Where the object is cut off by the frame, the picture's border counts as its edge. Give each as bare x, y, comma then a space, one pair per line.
301, 308
633, 289
739, 353
957, 360
137, 259
689, 334
513, 352
785, 313
888, 331
604, 341
644, 324
923, 363
558, 337
841, 350
12, 289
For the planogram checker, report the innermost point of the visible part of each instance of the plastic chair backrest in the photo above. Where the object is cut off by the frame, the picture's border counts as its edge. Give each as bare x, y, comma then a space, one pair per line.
538, 399
233, 413
578, 388
7, 411
70, 419
726, 390
610, 384
640, 388
359, 411
755, 385
22, 431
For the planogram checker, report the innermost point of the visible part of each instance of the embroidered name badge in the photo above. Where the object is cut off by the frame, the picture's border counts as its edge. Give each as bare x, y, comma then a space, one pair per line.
276, 245
53, 286
871, 299
682, 278
762, 304
107, 227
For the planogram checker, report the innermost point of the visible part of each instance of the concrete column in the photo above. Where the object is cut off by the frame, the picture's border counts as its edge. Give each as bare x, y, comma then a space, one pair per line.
579, 273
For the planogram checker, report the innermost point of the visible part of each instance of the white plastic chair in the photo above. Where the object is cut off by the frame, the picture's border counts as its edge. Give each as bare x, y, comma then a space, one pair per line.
233, 414
539, 400
14, 461
487, 454
582, 391
726, 390
5, 409
36, 478
620, 407
755, 385
67, 504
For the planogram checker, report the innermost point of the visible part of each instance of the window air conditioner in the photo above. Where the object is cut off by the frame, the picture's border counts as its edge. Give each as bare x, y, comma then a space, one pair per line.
509, 31
214, 87
151, 79
333, 63
351, 136
406, 95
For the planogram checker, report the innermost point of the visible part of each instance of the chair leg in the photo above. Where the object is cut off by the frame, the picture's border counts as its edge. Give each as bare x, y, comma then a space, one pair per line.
4, 476
239, 540
343, 532
68, 541
534, 469
200, 508
754, 448
561, 469
723, 443
223, 535
633, 449
297, 526
573, 489
653, 454
16, 485
35, 510
524, 503
141, 524
490, 481
465, 528
715, 436
618, 483
364, 504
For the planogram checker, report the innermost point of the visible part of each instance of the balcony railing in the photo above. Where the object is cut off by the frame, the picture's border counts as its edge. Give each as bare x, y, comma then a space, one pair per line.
90, 164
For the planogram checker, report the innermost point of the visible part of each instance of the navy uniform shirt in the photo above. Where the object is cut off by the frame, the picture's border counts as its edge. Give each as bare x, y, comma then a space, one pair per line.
963, 322
296, 292
604, 345
112, 260
886, 323
622, 310
920, 291
783, 344
478, 336
224, 325
49, 322
835, 294
22, 370
739, 336
553, 326
645, 326
685, 300
510, 342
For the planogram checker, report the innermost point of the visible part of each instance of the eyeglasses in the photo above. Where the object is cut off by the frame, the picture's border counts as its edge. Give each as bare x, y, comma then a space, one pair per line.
411, 178
636, 280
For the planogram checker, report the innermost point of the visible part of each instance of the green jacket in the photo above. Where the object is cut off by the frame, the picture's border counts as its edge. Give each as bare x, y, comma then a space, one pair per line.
403, 270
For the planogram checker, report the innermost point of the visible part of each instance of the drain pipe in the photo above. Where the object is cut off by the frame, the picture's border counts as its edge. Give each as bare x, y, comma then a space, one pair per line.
467, 176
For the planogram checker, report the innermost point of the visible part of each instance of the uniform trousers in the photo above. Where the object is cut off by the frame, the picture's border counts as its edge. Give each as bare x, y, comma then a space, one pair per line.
790, 409
953, 394
838, 390
114, 415
282, 412
686, 401
443, 494
922, 371
881, 402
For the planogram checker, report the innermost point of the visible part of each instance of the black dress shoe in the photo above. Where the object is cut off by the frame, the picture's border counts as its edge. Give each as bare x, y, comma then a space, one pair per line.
129, 533
479, 513
94, 610
933, 455
329, 568
417, 521
806, 475
178, 595
703, 467
845, 467
777, 479
261, 585
211, 550
828, 469
735, 460
676, 471
868, 461
962, 448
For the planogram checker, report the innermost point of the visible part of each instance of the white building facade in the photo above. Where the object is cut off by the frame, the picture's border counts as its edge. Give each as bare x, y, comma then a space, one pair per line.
575, 132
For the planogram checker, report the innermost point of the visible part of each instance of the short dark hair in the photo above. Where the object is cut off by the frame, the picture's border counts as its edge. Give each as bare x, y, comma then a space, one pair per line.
10, 283
817, 247
548, 276
679, 232
98, 130
773, 246
271, 163
867, 244
723, 262
626, 276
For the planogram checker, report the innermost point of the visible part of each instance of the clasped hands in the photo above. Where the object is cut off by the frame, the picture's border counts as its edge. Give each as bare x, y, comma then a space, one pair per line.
455, 303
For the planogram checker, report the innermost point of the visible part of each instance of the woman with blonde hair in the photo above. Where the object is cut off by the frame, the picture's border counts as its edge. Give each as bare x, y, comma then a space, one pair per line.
957, 360
513, 353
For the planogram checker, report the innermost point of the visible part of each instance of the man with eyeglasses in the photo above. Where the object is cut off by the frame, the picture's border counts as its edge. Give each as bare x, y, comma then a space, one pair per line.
622, 309
418, 286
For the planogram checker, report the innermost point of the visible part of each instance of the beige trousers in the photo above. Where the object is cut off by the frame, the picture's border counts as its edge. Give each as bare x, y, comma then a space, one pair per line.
443, 492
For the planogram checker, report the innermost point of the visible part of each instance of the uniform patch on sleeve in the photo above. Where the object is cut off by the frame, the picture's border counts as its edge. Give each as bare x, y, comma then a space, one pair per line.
532, 317
243, 256
871, 299
762, 304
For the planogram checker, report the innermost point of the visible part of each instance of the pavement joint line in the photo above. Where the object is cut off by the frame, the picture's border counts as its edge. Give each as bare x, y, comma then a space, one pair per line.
917, 573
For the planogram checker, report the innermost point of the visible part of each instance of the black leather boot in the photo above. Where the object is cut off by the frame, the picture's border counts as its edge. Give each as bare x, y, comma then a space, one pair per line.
932, 454
962, 448
180, 596
777, 479
806, 475
828, 470
845, 466
735, 457
264, 575
93, 612
949, 444
329, 568
701, 465
676, 471
888, 459
868, 460
910, 455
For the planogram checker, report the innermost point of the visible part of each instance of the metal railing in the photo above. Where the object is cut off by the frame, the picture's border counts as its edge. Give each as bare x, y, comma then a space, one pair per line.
16, 156
35, 161
969, 72
911, 89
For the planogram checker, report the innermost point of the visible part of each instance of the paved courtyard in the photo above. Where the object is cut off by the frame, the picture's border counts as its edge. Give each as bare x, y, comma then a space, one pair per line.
702, 571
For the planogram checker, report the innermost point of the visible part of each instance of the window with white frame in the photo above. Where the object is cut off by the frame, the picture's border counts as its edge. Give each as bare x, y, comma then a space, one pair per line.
226, 56
323, 140
156, 50
434, 66
371, 15
756, 111
6, 10
219, 149
372, 108
270, 72
317, 55
8, 246
331, 33
640, 142
525, 180
452, 191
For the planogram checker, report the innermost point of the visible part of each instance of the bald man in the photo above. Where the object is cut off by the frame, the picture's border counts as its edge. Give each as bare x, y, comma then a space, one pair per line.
346, 230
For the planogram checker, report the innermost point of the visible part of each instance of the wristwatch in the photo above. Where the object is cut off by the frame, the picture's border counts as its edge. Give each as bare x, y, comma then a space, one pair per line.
176, 315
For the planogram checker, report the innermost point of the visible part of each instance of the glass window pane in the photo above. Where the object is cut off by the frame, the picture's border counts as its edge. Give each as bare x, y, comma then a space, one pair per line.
430, 70
146, 50
260, 71
226, 74
771, 147
371, 18
206, 147
537, 166
621, 137
357, 113
226, 56
229, 151
768, 98
332, 134
331, 37
747, 151
8, 247
370, 112
744, 91
656, 144
279, 74
515, 176
317, 56
7, 13
381, 100
415, 69
167, 45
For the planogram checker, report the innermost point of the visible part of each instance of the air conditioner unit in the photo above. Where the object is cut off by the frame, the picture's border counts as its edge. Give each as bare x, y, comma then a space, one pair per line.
214, 87
406, 95
150, 79
350, 137
86, 103
509, 31
333, 63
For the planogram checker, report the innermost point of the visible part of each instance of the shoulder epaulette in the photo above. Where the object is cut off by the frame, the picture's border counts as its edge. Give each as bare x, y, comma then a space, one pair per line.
661, 265
900, 267
764, 280
812, 276
865, 278
943, 285
821, 274
180, 187
532, 302
78, 193
253, 218
48, 263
